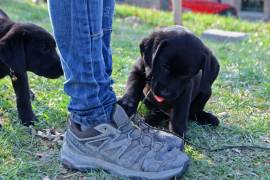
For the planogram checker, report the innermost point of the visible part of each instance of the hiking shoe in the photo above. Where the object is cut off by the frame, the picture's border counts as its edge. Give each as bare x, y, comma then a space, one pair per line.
121, 148
171, 140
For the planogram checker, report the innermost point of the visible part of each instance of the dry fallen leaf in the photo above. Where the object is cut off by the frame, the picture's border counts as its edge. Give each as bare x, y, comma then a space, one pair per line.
63, 170
45, 178
236, 150
223, 115
267, 140
1, 122
50, 135
43, 157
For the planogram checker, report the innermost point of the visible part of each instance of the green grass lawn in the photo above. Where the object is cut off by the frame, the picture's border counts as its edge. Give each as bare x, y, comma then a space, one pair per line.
240, 98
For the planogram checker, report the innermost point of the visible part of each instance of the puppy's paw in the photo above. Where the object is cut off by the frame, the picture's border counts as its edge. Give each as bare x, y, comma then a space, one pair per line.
28, 123
180, 130
205, 118
128, 104
28, 119
153, 120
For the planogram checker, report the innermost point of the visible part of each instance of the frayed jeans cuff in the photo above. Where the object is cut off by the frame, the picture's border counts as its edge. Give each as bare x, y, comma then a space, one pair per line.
90, 118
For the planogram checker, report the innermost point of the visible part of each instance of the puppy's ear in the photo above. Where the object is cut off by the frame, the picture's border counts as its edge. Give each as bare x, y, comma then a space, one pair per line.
12, 49
146, 48
157, 50
210, 68
150, 48
3, 14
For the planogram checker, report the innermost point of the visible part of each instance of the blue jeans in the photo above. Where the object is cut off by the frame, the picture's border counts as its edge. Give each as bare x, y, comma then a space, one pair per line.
82, 29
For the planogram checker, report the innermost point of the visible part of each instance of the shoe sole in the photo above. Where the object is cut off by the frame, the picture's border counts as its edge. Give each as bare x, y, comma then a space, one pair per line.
86, 163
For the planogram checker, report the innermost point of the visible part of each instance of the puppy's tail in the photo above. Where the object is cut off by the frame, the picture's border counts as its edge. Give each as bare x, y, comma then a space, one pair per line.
3, 14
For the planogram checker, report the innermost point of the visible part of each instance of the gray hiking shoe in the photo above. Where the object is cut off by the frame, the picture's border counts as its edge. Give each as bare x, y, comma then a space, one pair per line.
122, 148
171, 140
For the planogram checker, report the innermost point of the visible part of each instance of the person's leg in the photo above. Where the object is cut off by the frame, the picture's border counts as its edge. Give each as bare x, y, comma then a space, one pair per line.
107, 20
100, 57
77, 26
109, 142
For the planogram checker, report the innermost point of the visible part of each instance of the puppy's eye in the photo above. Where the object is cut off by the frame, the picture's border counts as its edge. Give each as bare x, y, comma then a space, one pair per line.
45, 48
166, 67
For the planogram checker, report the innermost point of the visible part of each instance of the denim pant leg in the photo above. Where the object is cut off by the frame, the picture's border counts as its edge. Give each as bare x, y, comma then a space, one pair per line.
77, 26
107, 21
106, 94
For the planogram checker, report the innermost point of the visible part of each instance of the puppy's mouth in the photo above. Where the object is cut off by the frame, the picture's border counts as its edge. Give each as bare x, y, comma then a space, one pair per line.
158, 98
161, 98
148, 90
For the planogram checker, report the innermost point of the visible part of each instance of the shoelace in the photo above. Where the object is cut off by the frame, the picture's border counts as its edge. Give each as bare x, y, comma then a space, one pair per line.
139, 130
138, 119
142, 124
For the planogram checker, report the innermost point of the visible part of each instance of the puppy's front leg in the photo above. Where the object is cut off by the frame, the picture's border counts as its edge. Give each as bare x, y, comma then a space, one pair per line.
24, 108
134, 88
180, 111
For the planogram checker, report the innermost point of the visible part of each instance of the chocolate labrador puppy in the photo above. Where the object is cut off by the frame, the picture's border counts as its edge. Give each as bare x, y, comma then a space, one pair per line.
175, 72
26, 47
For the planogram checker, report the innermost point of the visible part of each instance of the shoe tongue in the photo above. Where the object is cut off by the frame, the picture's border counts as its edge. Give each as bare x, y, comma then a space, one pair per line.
120, 117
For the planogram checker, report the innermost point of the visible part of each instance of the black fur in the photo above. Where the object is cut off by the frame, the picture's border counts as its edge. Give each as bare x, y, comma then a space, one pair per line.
26, 47
177, 66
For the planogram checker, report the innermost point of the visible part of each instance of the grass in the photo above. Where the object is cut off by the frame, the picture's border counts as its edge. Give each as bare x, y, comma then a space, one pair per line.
240, 98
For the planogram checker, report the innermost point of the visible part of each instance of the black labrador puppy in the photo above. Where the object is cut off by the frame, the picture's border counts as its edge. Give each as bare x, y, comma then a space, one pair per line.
175, 72
26, 47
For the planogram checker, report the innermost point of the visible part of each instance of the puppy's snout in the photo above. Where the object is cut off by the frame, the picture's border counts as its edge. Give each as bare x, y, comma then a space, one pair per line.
161, 90
164, 93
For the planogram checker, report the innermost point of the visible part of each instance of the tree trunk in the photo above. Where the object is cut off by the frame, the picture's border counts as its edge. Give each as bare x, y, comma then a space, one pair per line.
236, 4
177, 12
267, 10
